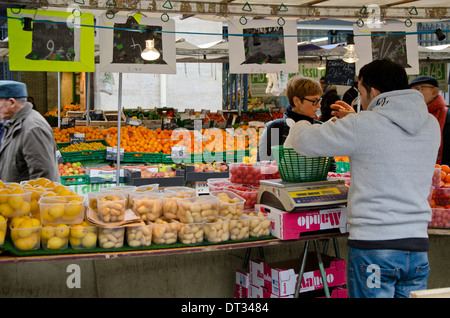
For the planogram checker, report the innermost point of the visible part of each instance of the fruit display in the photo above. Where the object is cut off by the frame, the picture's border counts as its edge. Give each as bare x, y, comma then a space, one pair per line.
245, 173
148, 206
165, 231
111, 237
439, 197
217, 117
198, 209
144, 140
83, 146
259, 224
217, 230
3, 227
70, 169
139, 235
248, 193
111, 207
231, 205
191, 233
14, 201
55, 237
207, 167
25, 233
83, 236
62, 209
64, 110
239, 229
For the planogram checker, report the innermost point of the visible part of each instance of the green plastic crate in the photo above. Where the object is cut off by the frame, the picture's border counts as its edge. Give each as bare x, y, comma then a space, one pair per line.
83, 155
296, 168
74, 180
342, 166
142, 157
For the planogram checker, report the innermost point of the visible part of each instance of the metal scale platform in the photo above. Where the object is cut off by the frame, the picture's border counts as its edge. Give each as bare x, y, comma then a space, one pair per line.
302, 196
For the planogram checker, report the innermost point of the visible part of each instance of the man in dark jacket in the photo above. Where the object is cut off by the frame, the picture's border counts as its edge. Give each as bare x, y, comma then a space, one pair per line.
330, 96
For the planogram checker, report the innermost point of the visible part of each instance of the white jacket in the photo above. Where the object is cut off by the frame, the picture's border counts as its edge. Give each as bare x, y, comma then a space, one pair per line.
392, 149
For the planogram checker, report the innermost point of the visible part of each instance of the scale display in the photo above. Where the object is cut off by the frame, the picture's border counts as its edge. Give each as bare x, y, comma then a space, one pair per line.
298, 196
318, 195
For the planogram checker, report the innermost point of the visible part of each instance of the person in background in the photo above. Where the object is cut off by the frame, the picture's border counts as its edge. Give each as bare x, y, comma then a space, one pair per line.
351, 96
28, 149
429, 87
304, 97
31, 101
2, 130
387, 212
329, 96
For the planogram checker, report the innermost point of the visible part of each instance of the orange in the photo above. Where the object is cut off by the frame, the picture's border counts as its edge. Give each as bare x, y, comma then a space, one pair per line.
443, 175
445, 168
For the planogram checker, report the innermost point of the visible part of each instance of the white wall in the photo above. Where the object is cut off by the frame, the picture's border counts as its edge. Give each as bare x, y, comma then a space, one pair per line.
195, 85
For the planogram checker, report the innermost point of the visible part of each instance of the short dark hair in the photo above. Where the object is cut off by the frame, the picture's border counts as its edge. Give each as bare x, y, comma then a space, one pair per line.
384, 75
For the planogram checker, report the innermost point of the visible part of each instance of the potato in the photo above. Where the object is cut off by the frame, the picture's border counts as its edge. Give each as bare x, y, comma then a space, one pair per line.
111, 237
140, 235
191, 233
217, 230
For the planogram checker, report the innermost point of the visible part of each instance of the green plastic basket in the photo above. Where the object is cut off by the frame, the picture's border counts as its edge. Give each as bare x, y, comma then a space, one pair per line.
297, 168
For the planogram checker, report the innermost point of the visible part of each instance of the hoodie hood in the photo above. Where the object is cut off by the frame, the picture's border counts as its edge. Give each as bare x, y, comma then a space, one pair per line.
406, 108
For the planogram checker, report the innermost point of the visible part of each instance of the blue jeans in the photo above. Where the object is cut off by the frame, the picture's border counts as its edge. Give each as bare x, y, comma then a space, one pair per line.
386, 273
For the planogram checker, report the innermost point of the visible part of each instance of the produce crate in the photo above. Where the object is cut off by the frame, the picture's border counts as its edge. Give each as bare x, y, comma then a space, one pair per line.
83, 155
191, 175
74, 180
142, 157
134, 178
342, 166
166, 158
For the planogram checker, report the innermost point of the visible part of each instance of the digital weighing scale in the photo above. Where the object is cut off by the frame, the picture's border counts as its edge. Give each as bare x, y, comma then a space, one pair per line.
290, 196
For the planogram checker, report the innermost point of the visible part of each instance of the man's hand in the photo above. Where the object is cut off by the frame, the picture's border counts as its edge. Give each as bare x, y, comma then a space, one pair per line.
341, 109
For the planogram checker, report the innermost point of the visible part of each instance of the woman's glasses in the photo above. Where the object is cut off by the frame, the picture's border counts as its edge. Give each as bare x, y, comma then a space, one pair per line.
314, 102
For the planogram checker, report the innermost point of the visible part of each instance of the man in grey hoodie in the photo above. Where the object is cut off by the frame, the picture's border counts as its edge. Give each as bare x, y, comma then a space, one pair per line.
392, 147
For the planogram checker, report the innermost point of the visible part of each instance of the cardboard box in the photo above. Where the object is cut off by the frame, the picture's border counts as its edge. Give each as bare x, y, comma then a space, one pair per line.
290, 225
262, 292
243, 277
241, 291
257, 272
280, 278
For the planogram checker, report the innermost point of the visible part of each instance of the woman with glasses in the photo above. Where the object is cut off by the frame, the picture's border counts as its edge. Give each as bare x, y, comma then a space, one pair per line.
304, 96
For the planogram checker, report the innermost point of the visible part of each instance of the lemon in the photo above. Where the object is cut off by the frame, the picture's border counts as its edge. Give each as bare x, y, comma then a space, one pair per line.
64, 192
15, 201
56, 211
77, 231
48, 194
74, 241
47, 232
49, 185
74, 208
253, 151
16, 220
4, 195
2, 184
89, 240
55, 243
24, 209
62, 230
26, 244
25, 228
35, 222
59, 187
34, 206
41, 181
2, 218
6, 209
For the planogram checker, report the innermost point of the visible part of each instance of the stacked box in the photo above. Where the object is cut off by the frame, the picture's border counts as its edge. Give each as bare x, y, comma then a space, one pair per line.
242, 283
290, 225
275, 280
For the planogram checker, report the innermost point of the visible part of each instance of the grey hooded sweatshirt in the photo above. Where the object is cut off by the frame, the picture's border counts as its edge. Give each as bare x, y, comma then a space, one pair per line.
392, 149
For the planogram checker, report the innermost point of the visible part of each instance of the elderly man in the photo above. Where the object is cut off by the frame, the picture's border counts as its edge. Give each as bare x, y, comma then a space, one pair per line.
28, 149
429, 87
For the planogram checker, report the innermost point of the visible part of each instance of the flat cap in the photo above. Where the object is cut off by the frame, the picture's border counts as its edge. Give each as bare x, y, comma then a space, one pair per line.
12, 89
424, 80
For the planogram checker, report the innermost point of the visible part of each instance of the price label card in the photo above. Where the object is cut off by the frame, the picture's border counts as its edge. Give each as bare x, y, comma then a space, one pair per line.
111, 153
133, 122
77, 138
179, 152
67, 122
202, 187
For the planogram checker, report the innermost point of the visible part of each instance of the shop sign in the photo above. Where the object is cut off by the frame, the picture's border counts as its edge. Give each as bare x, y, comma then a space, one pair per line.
437, 69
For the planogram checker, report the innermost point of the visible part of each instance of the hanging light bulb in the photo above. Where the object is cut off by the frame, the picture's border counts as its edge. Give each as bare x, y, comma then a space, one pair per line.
150, 53
350, 56
321, 64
